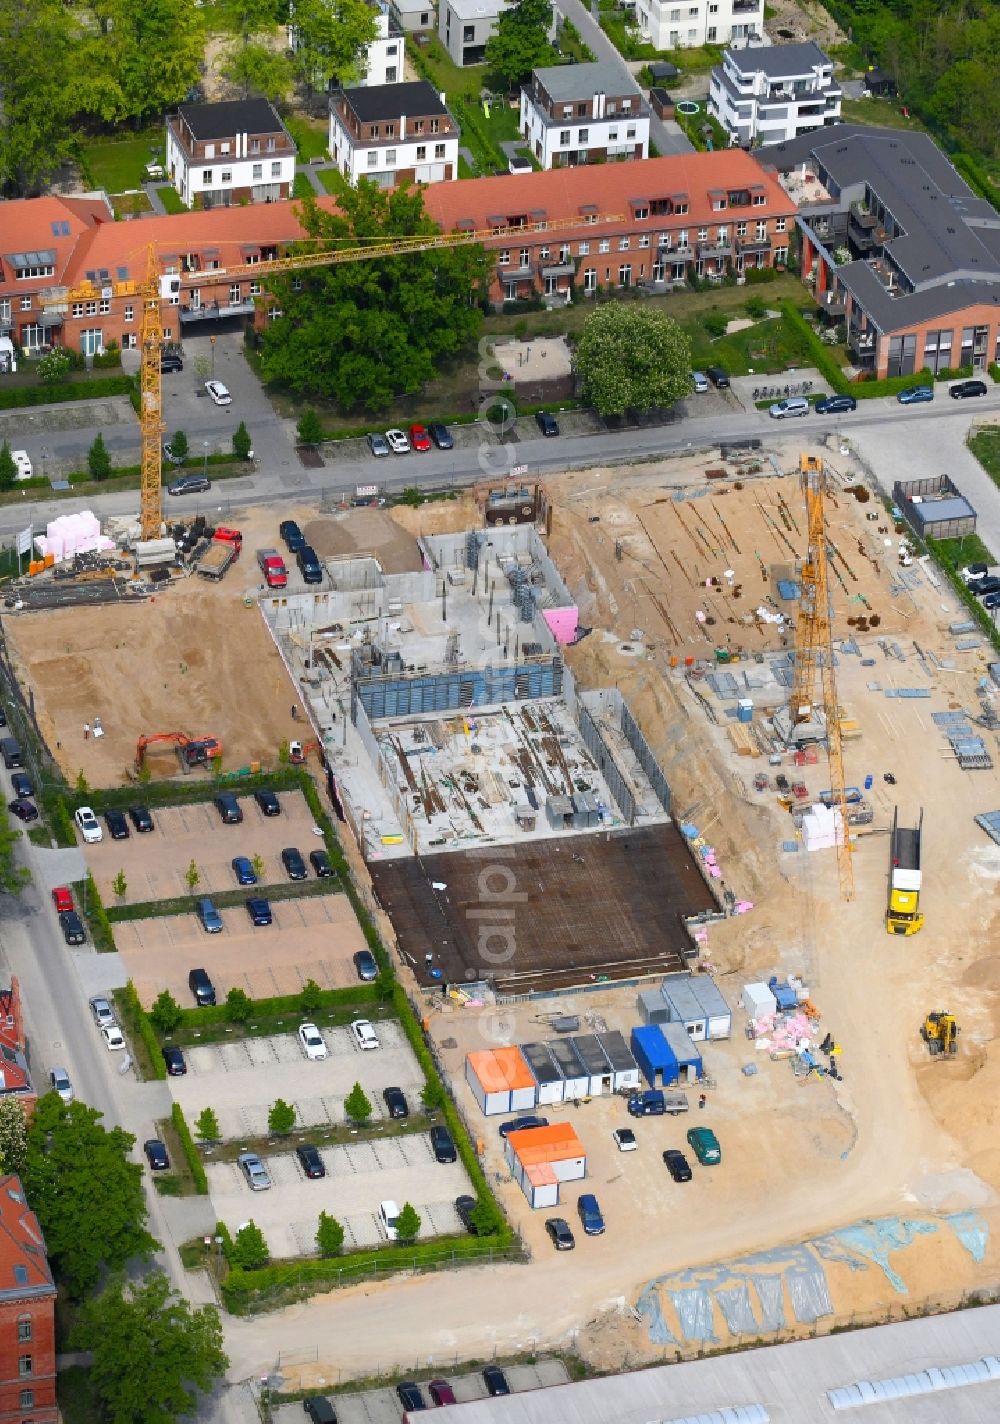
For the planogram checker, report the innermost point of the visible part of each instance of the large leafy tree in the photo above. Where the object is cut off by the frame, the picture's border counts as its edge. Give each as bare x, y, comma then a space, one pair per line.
141, 58
152, 1353
521, 42
257, 68
632, 358
86, 1193
332, 39
365, 332
37, 99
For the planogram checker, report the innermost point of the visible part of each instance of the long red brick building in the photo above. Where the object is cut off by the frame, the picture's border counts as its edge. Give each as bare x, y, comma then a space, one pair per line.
27, 1314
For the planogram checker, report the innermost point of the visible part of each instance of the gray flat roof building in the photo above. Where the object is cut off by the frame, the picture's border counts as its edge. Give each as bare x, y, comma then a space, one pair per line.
565, 82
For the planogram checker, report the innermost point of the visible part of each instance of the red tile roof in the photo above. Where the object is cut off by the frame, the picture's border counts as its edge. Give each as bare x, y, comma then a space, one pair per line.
14, 1076
32, 225
24, 1266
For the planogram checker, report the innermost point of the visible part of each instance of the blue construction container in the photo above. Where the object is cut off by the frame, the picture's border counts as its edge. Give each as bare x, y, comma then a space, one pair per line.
655, 1057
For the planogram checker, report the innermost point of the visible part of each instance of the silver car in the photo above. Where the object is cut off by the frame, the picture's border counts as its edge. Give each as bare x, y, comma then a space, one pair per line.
104, 1015
59, 1079
700, 381
258, 1178
378, 444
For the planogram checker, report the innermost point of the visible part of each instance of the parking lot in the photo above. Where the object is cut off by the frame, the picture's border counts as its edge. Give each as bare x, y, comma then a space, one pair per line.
382, 1406
156, 862
310, 938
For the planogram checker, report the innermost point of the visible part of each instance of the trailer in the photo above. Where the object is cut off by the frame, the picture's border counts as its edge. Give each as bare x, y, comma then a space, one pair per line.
903, 915
223, 550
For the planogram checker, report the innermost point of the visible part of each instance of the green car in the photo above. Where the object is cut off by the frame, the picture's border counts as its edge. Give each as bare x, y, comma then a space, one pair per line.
705, 1145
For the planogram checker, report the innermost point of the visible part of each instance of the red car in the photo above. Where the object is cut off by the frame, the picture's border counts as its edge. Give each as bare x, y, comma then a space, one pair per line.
419, 438
62, 898
441, 1392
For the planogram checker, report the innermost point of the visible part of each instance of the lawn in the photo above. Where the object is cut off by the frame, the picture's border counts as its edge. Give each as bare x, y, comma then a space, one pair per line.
329, 177
985, 445
171, 200
766, 348
482, 132
310, 135
117, 164
432, 61
885, 113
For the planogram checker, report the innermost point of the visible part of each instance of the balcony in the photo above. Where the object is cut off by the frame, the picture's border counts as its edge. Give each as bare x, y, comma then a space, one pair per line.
676, 254
559, 269
709, 250
217, 311
524, 272
747, 7
753, 244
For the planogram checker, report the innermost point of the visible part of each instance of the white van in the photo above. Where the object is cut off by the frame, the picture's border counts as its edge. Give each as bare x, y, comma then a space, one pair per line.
23, 463
388, 1215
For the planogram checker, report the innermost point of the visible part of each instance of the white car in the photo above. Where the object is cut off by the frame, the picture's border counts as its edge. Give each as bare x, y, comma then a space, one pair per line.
398, 442
113, 1038
59, 1079
364, 1035
388, 1215
700, 381
218, 392
795, 405
103, 1013
312, 1042
625, 1138
90, 826
23, 463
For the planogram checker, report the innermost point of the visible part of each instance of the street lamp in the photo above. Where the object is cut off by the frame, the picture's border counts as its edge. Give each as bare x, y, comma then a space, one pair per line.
205, 466
211, 342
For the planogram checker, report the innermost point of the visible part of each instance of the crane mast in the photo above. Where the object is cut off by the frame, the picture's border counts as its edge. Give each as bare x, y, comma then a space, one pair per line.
814, 654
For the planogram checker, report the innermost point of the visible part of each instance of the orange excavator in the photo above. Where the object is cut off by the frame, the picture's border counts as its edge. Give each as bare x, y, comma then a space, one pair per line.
193, 751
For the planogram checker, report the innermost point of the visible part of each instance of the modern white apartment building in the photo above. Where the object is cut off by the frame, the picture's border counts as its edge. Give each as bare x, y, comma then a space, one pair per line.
573, 114
669, 25
392, 134
220, 154
771, 94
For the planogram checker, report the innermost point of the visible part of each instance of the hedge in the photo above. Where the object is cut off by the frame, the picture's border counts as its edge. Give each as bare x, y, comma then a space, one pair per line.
139, 1022
834, 375
181, 793
970, 601
190, 1150
95, 914
11, 398
284, 1004
994, 370
223, 899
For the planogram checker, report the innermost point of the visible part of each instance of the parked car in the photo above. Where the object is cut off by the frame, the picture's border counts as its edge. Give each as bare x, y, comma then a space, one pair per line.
410, 1396
243, 870
190, 484
23, 809
89, 826
72, 927
677, 1165
20, 784
962, 389
291, 536
590, 1215
309, 565
211, 920
395, 1102
651, 1103
982, 587
62, 898
102, 1011
546, 423
140, 818
419, 438
170, 361
443, 1145
229, 809
916, 395
156, 1154
366, 965
441, 436
310, 1161
705, 1145
397, 441
268, 803
699, 381
114, 1039
992, 600
835, 405
320, 862
173, 1057
259, 911
218, 393
319, 1410
312, 1042
441, 1392
202, 988
59, 1080
377, 444
388, 1215
560, 1233
364, 1034
465, 1206
295, 866
257, 1175
626, 1140
794, 405
522, 1124
719, 377
495, 1381
972, 572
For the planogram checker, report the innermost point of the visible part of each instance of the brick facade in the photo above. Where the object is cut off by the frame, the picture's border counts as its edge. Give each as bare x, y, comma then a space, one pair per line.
27, 1315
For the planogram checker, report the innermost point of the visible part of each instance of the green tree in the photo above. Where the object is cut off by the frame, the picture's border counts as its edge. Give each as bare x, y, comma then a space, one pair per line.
310, 997
37, 72
98, 459
206, 1125
309, 428
520, 42
366, 332
412, 497
13, 877
433, 1095
166, 1013
13, 1135
81, 783
329, 1235
193, 877
257, 865
356, 1105
632, 358
249, 1248
120, 885
256, 68
8, 470
485, 1217
179, 445
153, 1354
239, 1005
242, 444
54, 367
407, 1223
332, 40
140, 58
281, 1118
86, 1193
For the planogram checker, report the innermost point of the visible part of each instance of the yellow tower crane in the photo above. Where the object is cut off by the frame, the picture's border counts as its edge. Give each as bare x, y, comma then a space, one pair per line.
151, 290
814, 653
